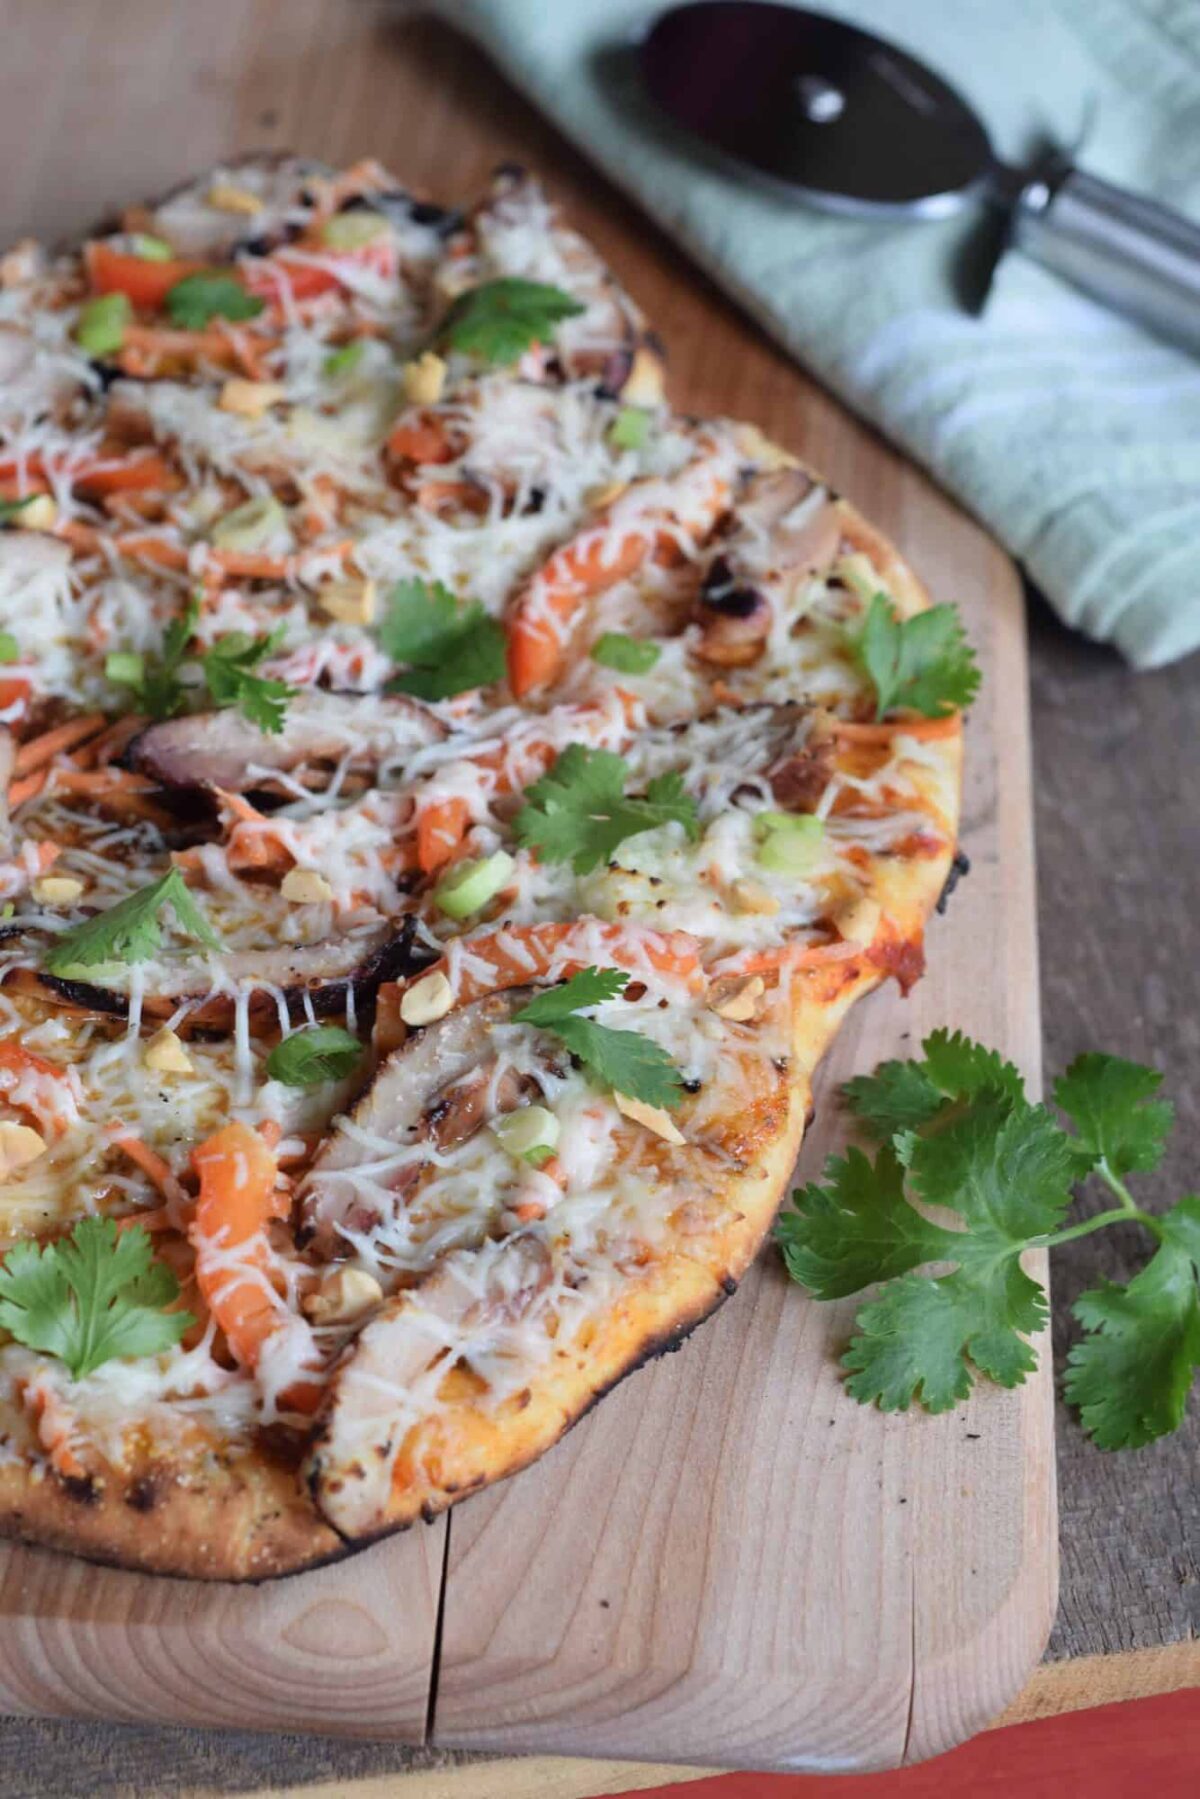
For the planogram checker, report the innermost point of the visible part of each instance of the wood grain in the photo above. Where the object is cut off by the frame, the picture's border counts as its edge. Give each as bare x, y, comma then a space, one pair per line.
97, 103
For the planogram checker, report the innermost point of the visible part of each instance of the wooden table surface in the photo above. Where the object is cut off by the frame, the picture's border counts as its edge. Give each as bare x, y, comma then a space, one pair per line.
101, 102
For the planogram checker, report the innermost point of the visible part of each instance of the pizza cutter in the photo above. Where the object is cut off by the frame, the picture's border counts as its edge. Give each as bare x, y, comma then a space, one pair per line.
851, 124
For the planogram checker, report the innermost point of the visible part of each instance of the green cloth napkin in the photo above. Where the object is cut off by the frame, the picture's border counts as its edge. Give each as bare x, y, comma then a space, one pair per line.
1074, 435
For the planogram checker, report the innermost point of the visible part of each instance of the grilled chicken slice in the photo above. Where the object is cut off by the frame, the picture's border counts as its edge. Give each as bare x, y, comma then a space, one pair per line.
428, 1098
396, 1366
787, 527
320, 731
319, 975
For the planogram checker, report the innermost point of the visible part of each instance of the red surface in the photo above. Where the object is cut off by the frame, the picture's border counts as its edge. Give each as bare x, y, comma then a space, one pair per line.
1150, 1747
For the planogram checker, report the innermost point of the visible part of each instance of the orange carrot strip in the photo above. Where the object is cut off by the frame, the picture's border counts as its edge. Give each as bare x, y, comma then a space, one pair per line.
150, 1163
27, 789
37, 751
924, 729
520, 953
440, 831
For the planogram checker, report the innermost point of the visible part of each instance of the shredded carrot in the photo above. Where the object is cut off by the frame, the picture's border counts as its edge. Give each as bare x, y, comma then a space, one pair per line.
37, 751
28, 789
924, 729
150, 1163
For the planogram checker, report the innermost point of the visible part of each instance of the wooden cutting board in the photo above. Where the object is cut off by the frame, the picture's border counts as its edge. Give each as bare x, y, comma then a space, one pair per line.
729, 1562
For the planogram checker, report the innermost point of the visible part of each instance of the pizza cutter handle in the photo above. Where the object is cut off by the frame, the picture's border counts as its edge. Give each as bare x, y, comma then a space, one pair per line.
1124, 250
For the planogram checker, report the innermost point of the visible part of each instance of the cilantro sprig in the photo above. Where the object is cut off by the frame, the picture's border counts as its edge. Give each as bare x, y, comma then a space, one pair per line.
130, 931
579, 812
450, 645
624, 1061
230, 678
956, 1131
227, 670
195, 301
91, 1297
499, 320
921, 664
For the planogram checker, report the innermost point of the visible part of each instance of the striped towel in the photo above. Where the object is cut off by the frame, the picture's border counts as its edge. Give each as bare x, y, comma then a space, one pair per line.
1071, 433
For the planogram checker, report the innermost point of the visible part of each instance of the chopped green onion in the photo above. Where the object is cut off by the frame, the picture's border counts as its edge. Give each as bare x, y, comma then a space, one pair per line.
788, 843
630, 429
343, 361
100, 329
353, 230
250, 526
529, 1134
628, 655
151, 249
470, 885
10, 649
126, 667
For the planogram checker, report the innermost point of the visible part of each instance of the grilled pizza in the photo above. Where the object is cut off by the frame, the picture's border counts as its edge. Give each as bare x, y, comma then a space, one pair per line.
452, 800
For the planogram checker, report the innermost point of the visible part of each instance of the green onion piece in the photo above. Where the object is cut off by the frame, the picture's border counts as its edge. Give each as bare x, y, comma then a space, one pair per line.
630, 429
470, 885
151, 249
788, 843
250, 526
126, 667
100, 329
529, 1134
343, 361
628, 655
353, 230
10, 649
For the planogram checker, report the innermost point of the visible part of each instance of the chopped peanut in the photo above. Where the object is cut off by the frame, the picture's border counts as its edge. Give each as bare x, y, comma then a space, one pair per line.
41, 514
20, 1144
859, 921
424, 379
350, 602
165, 1054
653, 1117
427, 1000
227, 197
305, 887
749, 897
643, 386
57, 890
344, 1294
736, 997
605, 495
250, 399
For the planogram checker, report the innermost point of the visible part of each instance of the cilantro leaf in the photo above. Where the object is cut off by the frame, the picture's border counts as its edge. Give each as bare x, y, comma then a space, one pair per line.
590, 987
625, 1061
91, 1297
198, 299
130, 931
451, 646
579, 812
906, 1095
154, 680
1131, 1375
628, 655
858, 1228
324, 1052
1007, 1171
921, 664
229, 676
499, 320
916, 1341
1112, 1106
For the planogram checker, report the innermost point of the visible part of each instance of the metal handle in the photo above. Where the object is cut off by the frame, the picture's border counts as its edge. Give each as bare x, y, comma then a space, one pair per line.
1125, 251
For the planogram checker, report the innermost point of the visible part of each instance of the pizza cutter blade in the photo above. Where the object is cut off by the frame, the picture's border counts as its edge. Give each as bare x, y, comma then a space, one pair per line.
852, 124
